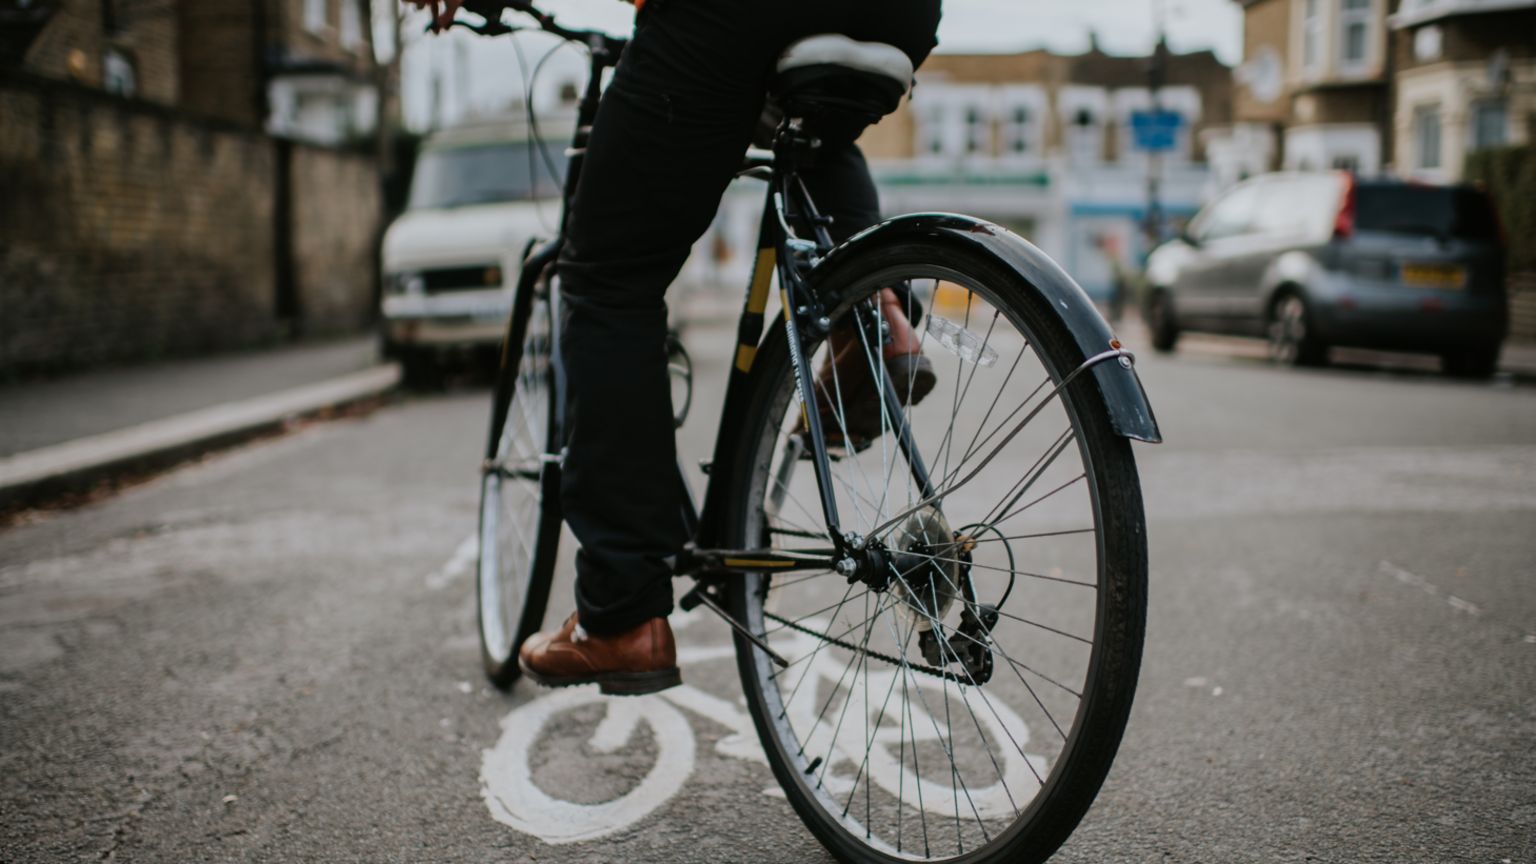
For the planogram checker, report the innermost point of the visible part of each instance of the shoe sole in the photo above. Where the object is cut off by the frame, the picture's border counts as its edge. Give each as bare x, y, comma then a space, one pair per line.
611, 683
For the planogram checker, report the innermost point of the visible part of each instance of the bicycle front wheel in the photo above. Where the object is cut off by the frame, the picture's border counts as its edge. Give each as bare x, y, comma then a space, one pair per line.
519, 489
961, 699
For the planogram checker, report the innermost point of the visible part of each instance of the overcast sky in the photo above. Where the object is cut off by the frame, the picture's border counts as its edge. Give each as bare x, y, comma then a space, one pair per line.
483, 73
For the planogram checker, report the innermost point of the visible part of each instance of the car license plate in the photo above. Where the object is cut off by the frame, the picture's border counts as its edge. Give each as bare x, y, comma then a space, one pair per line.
1449, 277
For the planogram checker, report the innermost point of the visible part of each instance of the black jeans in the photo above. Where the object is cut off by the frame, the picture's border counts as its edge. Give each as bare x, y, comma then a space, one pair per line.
669, 137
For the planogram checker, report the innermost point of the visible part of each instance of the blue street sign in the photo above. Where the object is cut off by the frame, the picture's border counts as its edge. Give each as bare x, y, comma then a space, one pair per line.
1155, 131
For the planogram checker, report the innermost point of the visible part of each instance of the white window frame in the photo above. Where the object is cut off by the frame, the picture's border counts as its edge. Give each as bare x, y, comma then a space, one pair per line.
317, 15
931, 129
1365, 18
976, 126
1314, 32
1084, 145
1475, 113
942, 112
351, 26
1421, 114
1031, 133
119, 75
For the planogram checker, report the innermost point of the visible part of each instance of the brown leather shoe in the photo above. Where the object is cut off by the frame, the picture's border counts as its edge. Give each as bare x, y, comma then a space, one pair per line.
853, 387
632, 663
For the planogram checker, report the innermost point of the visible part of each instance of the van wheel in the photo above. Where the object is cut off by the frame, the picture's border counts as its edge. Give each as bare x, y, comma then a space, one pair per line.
1162, 322
1478, 363
1291, 340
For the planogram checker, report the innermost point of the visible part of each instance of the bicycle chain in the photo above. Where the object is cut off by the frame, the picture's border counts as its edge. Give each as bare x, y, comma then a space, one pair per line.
894, 661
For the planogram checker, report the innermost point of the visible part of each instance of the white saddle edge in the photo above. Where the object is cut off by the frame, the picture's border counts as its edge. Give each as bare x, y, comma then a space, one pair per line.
838, 50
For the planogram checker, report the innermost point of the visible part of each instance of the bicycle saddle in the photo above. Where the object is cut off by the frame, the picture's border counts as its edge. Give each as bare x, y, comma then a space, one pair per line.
840, 81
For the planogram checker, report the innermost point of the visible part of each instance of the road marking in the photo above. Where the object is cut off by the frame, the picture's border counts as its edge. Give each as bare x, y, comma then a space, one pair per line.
1414, 580
460, 563
515, 800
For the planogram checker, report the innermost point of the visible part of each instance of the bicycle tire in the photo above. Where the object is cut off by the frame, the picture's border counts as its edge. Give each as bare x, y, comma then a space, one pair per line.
511, 593
1118, 614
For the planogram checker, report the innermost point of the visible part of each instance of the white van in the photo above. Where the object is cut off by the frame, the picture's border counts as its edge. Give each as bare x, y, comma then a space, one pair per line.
480, 195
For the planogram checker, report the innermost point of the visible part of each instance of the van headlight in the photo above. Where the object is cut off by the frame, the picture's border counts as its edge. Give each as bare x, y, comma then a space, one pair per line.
408, 282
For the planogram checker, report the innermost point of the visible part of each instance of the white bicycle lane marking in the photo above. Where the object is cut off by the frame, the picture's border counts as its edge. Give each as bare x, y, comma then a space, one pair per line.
515, 800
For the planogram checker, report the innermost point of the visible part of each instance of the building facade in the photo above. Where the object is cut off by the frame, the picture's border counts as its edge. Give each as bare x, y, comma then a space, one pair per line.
1466, 81
153, 200
1405, 87
1044, 144
299, 68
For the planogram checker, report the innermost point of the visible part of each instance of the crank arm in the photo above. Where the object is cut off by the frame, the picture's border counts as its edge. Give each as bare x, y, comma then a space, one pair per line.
700, 596
739, 562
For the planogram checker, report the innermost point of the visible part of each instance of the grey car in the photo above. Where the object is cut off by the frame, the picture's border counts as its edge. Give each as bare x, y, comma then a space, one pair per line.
1313, 260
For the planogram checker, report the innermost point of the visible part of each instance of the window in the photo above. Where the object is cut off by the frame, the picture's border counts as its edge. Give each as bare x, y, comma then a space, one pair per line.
1490, 125
1426, 131
1312, 34
977, 131
1354, 44
316, 15
351, 25
930, 131
1230, 216
117, 73
1296, 205
481, 174
1085, 138
1018, 130
1347, 162
1021, 116
1425, 211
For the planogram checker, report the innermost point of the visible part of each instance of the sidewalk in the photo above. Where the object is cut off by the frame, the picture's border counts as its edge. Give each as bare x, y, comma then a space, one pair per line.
64, 434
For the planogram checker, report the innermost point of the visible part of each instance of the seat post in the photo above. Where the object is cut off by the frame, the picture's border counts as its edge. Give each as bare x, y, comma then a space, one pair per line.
794, 149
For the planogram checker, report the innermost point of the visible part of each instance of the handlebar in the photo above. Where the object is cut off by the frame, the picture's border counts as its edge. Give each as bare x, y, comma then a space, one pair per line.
490, 10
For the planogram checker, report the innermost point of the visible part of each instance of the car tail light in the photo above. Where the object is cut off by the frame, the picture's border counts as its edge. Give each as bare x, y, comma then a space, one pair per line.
1344, 222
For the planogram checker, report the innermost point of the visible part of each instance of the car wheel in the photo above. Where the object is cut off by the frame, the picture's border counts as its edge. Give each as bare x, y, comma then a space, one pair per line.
1291, 339
1473, 362
1162, 322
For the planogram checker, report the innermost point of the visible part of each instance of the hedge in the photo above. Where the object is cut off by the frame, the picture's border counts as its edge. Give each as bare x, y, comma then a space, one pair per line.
1509, 174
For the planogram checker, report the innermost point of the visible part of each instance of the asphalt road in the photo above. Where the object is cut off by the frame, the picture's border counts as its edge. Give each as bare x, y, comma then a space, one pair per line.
271, 655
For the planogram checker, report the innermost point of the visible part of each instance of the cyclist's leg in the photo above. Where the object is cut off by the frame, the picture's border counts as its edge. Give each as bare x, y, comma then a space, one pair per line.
840, 182
668, 138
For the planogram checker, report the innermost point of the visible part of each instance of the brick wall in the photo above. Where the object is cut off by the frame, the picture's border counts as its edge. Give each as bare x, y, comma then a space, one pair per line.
286, 28
74, 44
1522, 307
221, 74
336, 207
129, 231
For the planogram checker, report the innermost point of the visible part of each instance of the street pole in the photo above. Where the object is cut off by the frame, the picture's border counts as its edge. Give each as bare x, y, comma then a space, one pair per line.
1157, 75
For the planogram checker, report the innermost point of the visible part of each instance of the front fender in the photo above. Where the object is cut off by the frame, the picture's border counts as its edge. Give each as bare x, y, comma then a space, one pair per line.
1130, 412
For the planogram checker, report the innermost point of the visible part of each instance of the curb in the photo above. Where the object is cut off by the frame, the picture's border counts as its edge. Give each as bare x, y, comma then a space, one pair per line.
29, 477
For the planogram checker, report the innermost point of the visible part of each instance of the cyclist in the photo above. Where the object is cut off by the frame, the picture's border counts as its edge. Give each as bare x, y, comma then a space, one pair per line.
669, 136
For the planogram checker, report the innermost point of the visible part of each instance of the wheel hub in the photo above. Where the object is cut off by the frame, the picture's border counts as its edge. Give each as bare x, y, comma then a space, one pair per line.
926, 566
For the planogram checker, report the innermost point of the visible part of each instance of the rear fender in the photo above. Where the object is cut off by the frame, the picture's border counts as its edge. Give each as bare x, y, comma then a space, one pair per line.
1130, 412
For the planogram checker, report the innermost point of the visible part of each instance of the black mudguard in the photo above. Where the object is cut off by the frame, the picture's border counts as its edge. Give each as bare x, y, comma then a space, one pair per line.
1130, 413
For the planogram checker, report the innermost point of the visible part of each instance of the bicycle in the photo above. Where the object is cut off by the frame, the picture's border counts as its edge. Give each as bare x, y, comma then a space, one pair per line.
904, 556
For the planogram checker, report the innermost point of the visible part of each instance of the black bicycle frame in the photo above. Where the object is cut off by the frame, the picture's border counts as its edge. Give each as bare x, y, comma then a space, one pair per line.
782, 254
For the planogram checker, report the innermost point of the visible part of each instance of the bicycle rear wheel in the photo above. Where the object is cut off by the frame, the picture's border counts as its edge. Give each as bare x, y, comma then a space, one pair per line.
519, 489
965, 705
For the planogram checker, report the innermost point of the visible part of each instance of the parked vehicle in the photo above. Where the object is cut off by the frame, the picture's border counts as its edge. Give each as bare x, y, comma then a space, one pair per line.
479, 197
1314, 260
